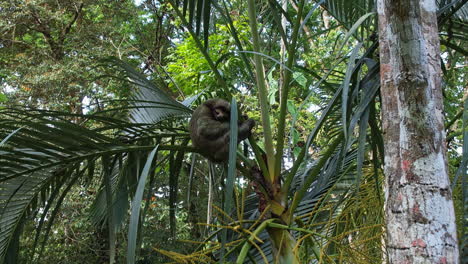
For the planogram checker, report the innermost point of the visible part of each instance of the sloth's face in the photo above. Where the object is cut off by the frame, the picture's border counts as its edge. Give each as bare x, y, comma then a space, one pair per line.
221, 114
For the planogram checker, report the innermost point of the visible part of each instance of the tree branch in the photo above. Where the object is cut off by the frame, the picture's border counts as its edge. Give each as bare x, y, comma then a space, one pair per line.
67, 29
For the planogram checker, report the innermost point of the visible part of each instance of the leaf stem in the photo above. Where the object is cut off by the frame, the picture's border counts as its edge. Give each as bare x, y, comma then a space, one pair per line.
285, 92
262, 91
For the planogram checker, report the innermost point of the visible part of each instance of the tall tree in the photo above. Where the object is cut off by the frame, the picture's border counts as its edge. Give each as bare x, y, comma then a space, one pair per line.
50, 50
419, 208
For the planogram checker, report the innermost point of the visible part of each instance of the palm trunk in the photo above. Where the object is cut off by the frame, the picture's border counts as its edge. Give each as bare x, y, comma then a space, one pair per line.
283, 246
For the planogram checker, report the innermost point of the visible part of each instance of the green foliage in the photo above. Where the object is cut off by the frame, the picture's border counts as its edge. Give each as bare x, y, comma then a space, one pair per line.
72, 237
327, 193
191, 71
50, 50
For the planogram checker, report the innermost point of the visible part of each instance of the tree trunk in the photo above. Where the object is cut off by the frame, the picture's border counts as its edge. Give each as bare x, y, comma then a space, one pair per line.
418, 203
283, 246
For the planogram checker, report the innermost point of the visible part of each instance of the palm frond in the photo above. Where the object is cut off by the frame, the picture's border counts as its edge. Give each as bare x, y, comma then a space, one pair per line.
150, 103
43, 159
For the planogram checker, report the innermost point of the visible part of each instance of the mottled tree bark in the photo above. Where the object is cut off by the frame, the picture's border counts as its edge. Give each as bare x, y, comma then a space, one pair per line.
418, 203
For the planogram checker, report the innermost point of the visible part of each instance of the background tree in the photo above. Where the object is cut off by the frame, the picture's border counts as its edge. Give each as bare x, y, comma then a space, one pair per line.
419, 208
50, 51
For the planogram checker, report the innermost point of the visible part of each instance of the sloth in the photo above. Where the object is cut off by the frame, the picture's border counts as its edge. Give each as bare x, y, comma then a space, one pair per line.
209, 129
